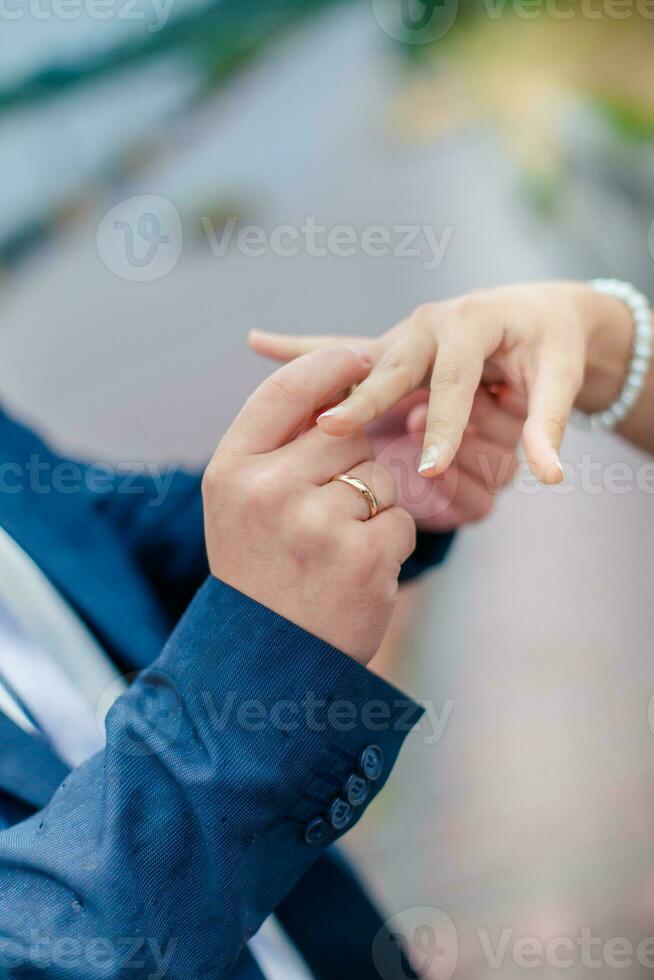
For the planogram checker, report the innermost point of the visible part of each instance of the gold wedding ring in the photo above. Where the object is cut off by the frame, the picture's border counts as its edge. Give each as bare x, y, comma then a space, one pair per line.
363, 488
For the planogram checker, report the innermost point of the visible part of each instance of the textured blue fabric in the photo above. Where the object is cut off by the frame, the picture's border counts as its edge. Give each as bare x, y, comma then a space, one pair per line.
431, 550
163, 854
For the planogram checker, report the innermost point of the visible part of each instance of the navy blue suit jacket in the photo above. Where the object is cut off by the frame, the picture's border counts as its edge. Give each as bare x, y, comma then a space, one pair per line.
213, 803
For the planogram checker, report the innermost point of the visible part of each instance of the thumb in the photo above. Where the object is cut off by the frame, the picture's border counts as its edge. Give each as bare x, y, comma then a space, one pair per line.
286, 400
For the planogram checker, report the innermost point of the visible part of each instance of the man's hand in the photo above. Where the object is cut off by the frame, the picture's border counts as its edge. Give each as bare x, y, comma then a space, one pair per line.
279, 531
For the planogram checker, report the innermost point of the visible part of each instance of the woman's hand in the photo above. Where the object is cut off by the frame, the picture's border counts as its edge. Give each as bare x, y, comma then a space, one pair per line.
485, 463
551, 343
279, 531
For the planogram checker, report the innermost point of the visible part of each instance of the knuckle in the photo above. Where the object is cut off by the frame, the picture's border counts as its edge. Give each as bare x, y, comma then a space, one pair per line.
373, 574
448, 375
401, 372
288, 387
313, 525
406, 530
423, 315
459, 312
365, 397
463, 313
392, 544
384, 594
382, 482
469, 305
263, 488
385, 585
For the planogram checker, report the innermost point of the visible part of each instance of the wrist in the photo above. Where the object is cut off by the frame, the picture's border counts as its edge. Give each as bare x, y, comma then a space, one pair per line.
610, 331
336, 623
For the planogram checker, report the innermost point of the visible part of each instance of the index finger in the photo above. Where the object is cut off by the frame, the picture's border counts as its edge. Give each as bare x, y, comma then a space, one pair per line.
398, 373
286, 401
455, 380
286, 346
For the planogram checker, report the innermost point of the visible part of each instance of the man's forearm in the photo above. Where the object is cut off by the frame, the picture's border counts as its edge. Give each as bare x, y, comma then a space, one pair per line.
223, 760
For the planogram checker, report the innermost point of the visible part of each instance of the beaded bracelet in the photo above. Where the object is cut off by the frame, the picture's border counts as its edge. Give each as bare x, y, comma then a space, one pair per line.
641, 355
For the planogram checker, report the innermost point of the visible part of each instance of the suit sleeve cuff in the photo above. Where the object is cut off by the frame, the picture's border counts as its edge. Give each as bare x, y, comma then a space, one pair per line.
305, 711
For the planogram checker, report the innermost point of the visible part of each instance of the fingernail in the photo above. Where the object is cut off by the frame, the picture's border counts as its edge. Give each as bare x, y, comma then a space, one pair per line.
428, 459
560, 467
336, 410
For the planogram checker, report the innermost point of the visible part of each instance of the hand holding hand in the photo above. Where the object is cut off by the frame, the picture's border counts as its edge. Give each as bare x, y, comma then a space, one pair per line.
281, 532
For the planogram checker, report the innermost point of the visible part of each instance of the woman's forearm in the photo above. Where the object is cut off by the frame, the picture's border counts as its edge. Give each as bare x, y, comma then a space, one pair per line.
609, 353
638, 427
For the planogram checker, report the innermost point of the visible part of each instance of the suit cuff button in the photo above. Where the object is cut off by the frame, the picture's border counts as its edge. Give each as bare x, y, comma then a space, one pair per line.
357, 790
371, 763
317, 832
340, 814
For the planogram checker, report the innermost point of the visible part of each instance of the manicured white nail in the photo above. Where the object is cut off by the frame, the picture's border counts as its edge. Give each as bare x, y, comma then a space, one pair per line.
336, 410
429, 459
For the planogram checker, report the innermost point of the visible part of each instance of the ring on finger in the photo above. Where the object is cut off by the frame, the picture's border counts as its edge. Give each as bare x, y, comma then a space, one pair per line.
363, 488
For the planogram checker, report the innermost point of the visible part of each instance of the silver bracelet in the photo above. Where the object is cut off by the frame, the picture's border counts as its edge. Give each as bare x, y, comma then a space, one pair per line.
641, 355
